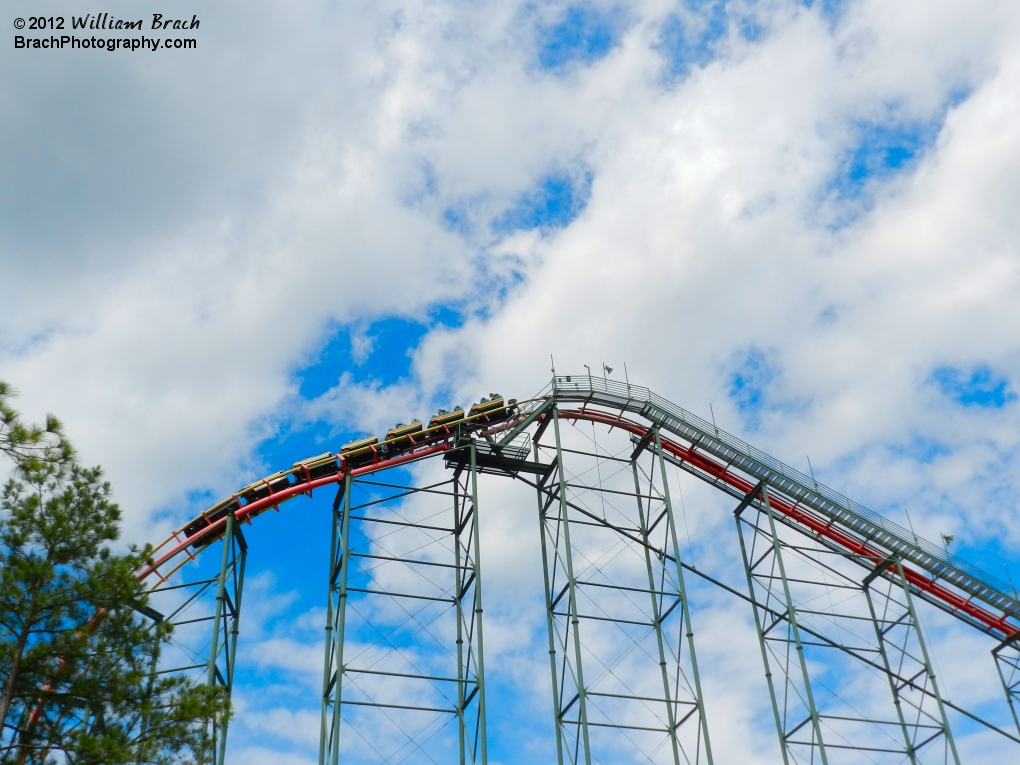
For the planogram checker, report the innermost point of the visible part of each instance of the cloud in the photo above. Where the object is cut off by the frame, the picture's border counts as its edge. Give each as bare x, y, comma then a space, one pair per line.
702, 236
290, 655
300, 727
330, 220
753, 384
257, 755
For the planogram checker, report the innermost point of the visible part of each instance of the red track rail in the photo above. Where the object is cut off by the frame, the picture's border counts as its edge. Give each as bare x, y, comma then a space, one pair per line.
847, 541
246, 512
822, 528
819, 526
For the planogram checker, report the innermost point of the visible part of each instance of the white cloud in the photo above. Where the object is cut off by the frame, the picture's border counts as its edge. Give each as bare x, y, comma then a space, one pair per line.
702, 239
302, 659
257, 755
299, 726
169, 265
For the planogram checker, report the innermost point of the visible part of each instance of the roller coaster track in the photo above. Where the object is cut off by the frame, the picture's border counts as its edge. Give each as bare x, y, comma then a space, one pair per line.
880, 547
721, 459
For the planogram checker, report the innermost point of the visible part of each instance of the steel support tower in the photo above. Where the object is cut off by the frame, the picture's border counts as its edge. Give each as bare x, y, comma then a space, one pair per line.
829, 717
833, 595
610, 554
205, 613
417, 668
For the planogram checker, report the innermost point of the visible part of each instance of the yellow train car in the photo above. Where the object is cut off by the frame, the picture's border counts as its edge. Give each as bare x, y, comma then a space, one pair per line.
443, 417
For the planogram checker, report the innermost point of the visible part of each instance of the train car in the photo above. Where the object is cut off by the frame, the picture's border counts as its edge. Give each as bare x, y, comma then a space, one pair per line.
252, 493
400, 437
486, 405
313, 468
271, 485
360, 452
443, 417
209, 518
493, 408
400, 430
360, 443
357, 453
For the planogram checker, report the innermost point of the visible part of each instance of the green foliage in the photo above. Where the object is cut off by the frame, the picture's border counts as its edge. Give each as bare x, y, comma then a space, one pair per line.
31, 447
76, 653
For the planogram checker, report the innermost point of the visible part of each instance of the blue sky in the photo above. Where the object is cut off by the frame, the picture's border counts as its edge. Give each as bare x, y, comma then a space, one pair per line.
797, 216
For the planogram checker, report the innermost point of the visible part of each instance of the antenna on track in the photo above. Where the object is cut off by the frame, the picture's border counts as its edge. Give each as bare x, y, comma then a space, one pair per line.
810, 468
911, 524
1010, 578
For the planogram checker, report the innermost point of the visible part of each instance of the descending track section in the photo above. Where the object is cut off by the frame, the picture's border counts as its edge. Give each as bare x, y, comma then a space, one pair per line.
403, 444
799, 542
736, 467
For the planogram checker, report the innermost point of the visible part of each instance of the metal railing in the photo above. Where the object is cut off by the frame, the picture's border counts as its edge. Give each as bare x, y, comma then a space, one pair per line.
806, 490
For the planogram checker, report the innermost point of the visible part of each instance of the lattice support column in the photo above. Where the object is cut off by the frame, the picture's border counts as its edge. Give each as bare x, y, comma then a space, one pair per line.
1007, 662
616, 604
226, 620
473, 747
336, 613
570, 703
190, 605
404, 663
682, 692
779, 637
157, 618
901, 644
845, 660
223, 647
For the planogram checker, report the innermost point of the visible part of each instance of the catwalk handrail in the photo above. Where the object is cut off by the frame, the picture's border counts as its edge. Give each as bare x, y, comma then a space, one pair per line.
805, 490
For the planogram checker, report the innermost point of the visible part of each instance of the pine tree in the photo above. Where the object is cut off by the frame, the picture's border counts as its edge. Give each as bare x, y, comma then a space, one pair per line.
76, 650
30, 446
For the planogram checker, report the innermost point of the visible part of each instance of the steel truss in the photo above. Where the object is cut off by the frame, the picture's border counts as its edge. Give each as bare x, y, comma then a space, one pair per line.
832, 588
404, 649
1007, 662
194, 605
616, 604
829, 708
